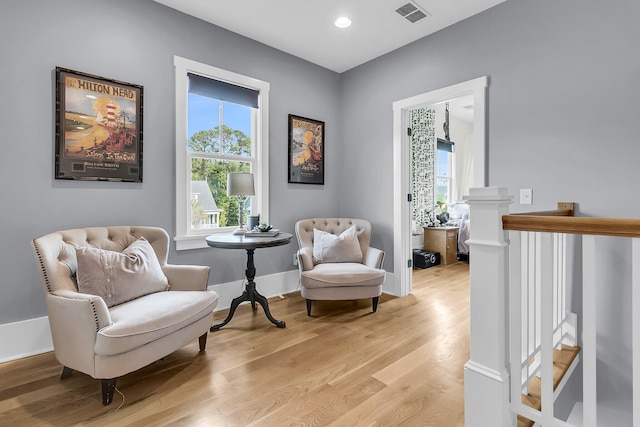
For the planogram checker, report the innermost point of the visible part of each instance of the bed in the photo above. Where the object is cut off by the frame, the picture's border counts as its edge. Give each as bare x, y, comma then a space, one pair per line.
459, 217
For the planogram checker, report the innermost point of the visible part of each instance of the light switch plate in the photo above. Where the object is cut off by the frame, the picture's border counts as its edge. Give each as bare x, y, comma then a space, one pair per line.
526, 196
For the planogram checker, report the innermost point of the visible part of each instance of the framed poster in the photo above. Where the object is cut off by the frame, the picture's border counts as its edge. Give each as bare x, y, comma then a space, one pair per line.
306, 150
98, 128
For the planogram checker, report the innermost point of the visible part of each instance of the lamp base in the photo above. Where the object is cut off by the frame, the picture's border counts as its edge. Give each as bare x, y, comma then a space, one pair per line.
239, 231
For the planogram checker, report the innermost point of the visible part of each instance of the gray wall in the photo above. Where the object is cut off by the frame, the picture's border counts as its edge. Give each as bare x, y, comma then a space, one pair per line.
134, 42
562, 113
563, 95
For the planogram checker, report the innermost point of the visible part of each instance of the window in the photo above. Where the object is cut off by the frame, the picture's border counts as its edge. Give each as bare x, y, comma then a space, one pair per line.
221, 127
444, 174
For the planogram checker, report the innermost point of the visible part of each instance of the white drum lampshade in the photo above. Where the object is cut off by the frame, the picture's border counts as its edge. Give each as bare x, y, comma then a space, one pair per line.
240, 184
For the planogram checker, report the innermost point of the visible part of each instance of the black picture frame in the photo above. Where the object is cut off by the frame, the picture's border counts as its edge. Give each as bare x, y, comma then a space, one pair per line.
98, 128
306, 151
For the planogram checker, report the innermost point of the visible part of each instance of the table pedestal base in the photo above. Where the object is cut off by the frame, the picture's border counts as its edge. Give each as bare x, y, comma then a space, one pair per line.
250, 294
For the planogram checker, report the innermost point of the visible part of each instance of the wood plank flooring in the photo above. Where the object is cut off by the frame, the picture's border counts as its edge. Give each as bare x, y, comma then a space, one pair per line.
344, 366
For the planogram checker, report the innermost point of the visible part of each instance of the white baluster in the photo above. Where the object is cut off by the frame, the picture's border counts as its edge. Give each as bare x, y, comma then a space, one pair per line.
589, 390
635, 322
545, 261
537, 286
517, 306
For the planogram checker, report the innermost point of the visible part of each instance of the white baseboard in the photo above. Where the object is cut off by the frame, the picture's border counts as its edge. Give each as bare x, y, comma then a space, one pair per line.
274, 285
25, 338
33, 336
388, 285
269, 286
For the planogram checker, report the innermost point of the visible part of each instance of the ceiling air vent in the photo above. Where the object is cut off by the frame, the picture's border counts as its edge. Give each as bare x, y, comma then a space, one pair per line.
412, 12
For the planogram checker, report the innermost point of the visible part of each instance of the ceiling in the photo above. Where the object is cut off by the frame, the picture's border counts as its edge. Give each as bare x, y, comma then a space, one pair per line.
306, 28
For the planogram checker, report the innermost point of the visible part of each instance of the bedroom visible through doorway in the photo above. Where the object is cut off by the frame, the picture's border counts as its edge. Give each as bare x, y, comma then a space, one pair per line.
441, 167
403, 242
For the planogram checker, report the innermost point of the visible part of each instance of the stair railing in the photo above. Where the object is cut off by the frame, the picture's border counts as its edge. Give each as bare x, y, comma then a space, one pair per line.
539, 320
502, 339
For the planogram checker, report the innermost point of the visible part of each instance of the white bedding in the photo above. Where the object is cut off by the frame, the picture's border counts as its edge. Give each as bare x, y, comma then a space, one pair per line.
459, 217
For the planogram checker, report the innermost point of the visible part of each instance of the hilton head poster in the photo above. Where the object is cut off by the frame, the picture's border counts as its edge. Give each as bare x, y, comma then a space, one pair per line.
98, 128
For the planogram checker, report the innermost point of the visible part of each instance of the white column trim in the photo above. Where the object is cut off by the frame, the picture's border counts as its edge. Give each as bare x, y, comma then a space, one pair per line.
486, 378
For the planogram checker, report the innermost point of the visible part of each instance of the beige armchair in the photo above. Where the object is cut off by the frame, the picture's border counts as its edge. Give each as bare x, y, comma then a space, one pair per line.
102, 336
345, 273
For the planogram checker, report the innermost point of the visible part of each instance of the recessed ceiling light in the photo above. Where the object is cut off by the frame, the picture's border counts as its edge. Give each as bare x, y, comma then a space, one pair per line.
342, 22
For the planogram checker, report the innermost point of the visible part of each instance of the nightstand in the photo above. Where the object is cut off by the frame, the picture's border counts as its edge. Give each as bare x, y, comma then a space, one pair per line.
443, 240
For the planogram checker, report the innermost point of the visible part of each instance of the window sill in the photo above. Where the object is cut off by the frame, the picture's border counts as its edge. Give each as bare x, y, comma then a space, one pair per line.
184, 243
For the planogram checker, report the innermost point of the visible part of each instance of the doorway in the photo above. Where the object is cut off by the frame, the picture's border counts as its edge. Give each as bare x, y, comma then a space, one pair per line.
475, 88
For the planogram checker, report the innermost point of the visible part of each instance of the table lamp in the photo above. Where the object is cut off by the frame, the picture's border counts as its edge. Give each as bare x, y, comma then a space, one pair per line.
241, 185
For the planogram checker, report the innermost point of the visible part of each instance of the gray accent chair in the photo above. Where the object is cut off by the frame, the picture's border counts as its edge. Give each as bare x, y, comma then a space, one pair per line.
340, 280
108, 342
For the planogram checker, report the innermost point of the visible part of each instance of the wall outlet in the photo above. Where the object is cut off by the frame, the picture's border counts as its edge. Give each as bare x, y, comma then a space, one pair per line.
295, 259
526, 196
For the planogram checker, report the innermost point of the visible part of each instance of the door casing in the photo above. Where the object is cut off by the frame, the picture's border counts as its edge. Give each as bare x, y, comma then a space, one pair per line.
478, 88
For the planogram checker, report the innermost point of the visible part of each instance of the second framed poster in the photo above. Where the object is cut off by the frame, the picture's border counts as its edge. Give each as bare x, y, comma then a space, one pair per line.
306, 150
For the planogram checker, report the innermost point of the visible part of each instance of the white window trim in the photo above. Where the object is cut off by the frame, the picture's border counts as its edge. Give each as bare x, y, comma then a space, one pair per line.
185, 238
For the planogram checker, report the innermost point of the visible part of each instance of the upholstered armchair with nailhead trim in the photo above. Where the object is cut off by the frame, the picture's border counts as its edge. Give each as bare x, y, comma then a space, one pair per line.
142, 310
335, 260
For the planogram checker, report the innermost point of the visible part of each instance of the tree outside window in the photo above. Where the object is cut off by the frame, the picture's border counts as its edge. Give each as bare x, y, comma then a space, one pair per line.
217, 150
443, 179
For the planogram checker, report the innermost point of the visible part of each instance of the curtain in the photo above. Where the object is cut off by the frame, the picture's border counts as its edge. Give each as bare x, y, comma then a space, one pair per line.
463, 179
423, 144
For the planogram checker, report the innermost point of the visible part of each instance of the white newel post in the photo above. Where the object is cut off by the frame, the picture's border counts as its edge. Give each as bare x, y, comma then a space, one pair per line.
486, 377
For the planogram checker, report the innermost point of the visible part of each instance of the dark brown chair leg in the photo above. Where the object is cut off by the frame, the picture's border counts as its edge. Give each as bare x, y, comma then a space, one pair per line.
374, 302
108, 389
66, 372
309, 307
203, 341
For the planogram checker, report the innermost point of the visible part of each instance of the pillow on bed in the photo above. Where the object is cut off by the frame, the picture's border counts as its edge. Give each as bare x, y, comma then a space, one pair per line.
119, 277
459, 211
328, 247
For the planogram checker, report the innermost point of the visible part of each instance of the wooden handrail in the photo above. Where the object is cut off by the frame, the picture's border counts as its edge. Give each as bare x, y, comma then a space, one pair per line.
563, 209
563, 221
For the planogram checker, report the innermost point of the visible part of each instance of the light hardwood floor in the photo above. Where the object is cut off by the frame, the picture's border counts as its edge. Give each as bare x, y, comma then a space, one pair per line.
344, 366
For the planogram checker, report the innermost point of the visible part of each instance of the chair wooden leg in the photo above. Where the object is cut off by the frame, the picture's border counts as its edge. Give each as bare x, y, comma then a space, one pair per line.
203, 341
309, 307
108, 389
66, 372
374, 302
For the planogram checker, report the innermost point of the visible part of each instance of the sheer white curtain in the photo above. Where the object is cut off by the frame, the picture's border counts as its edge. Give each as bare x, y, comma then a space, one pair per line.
463, 178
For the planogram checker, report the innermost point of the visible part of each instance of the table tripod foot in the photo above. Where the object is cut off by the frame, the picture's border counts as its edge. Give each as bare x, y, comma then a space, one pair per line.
234, 304
265, 305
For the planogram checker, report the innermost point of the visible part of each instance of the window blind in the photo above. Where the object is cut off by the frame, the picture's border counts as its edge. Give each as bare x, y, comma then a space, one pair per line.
223, 91
445, 145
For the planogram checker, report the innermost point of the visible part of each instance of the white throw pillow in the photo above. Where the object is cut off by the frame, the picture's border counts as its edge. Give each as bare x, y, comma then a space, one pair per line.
328, 247
119, 277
